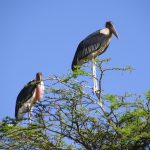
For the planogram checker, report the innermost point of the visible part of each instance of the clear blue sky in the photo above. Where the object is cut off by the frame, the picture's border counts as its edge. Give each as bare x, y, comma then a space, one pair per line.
42, 35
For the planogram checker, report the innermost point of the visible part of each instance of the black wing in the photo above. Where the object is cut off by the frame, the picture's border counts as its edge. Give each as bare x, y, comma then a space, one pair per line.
89, 45
25, 94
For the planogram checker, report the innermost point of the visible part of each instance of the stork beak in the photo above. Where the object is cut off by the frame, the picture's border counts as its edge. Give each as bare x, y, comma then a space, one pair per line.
114, 32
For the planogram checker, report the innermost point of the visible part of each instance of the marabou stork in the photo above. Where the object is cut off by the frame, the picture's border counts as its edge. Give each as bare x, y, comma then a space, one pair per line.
31, 93
92, 46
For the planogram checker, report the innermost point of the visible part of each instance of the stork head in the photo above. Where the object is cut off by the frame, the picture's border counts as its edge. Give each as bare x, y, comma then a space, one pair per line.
39, 76
111, 27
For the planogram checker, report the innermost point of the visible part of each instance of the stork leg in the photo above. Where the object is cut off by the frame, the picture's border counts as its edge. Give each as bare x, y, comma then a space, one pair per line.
30, 116
96, 89
95, 86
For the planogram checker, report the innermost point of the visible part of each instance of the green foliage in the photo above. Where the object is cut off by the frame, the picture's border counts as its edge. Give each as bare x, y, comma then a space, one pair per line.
71, 117
148, 95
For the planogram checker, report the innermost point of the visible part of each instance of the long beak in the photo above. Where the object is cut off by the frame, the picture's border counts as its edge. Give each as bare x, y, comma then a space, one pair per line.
115, 32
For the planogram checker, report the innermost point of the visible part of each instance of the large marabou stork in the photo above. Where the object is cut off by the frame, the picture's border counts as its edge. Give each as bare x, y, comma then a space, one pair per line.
31, 93
92, 46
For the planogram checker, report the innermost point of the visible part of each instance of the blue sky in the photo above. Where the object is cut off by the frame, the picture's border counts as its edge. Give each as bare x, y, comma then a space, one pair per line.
43, 35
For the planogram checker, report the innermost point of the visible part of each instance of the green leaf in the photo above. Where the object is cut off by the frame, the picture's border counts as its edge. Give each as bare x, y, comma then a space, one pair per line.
113, 101
148, 95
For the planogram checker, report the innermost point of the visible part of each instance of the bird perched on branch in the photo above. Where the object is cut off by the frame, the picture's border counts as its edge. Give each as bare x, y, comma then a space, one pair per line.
92, 46
31, 93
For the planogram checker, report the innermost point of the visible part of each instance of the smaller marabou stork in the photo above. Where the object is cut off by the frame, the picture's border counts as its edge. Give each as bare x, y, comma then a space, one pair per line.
31, 93
92, 46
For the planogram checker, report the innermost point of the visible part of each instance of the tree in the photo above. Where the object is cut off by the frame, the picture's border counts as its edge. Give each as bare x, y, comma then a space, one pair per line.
71, 117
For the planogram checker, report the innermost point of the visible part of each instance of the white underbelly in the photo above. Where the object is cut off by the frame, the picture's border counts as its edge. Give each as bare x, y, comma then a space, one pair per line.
26, 107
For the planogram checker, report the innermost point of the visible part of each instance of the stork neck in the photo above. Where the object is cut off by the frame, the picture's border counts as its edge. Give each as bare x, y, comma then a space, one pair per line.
106, 31
39, 91
110, 34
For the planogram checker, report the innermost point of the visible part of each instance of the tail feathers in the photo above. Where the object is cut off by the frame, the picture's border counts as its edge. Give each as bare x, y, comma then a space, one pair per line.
75, 68
75, 65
